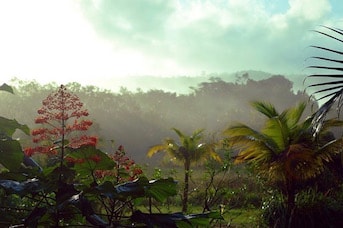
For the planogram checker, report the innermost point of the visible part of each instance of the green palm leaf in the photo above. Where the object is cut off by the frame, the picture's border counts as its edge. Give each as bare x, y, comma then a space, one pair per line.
277, 130
265, 108
284, 150
293, 115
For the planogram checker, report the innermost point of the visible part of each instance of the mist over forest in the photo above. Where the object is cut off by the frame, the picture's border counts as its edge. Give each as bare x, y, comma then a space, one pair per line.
139, 118
183, 84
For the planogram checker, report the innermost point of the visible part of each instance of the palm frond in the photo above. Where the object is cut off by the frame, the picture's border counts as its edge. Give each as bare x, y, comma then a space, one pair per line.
179, 133
256, 154
241, 130
155, 149
241, 135
330, 148
189, 150
293, 115
319, 116
300, 162
326, 49
266, 109
168, 145
336, 30
277, 130
333, 91
330, 123
325, 84
332, 87
329, 60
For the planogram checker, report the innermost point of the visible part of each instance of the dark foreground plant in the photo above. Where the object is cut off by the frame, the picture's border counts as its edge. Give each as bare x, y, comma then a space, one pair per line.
68, 191
313, 209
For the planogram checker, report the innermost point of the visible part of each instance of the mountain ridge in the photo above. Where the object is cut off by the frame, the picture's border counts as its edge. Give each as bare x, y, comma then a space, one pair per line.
184, 84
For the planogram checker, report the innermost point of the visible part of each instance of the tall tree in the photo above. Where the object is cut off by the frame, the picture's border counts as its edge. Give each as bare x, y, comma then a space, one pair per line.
190, 150
284, 151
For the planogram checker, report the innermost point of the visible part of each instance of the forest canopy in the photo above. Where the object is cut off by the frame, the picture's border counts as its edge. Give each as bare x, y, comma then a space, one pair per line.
139, 119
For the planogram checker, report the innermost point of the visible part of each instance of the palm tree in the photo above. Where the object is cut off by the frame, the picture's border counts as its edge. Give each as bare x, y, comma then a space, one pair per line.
284, 151
189, 151
330, 66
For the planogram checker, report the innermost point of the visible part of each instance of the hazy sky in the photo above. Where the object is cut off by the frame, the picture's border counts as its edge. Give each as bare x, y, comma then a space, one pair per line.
93, 42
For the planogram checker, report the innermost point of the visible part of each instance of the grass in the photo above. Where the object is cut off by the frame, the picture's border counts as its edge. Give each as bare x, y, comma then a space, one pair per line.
237, 218
242, 217
243, 213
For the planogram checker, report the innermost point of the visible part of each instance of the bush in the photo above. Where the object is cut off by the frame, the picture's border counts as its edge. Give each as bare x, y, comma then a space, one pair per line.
313, 209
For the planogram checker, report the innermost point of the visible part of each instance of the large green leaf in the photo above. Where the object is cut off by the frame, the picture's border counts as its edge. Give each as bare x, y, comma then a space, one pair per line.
86, 208
158, 189
94, 159
21, 174
64, 193
30, 186
131, 189
122, 192
11, 155
161, 189
107, 189
8, 127
5, 87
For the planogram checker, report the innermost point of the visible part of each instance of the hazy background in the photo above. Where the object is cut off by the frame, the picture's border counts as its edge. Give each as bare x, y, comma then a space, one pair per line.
106, 42
140, 119
144, 66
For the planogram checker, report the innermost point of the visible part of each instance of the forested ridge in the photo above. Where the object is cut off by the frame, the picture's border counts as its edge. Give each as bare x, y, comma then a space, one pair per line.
139, 119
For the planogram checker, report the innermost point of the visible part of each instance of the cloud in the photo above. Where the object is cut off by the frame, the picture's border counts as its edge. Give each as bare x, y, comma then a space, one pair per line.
307, 10
210, 36
96, 40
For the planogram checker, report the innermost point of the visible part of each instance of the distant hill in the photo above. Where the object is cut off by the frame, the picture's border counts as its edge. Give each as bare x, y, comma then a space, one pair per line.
184, 84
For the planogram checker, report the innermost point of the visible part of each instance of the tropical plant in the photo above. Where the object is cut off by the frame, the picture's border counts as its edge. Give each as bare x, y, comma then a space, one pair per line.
126, 169
284, 151
62, 118
190, 150
67, 193
330, 88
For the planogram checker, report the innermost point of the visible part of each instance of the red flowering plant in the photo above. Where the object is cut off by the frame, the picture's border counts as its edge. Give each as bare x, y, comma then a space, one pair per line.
84, 187
125, 168
62, 119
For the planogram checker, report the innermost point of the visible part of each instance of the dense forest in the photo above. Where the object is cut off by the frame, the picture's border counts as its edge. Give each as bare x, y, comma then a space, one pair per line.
139, 119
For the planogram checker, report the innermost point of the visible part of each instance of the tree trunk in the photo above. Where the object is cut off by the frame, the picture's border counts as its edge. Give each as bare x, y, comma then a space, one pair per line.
185, 189
290, 204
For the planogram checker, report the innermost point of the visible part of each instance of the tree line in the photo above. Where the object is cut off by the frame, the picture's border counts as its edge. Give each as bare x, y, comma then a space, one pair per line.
138, 119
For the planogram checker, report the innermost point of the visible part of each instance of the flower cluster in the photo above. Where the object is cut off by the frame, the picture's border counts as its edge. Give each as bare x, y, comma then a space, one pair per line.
95, 158
83, 140
125, 170
62, 117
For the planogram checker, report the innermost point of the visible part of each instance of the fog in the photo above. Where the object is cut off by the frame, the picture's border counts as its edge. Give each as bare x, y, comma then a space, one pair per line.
140, 118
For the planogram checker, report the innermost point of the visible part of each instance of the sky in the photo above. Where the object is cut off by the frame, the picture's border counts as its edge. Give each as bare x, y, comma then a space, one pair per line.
98, 42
